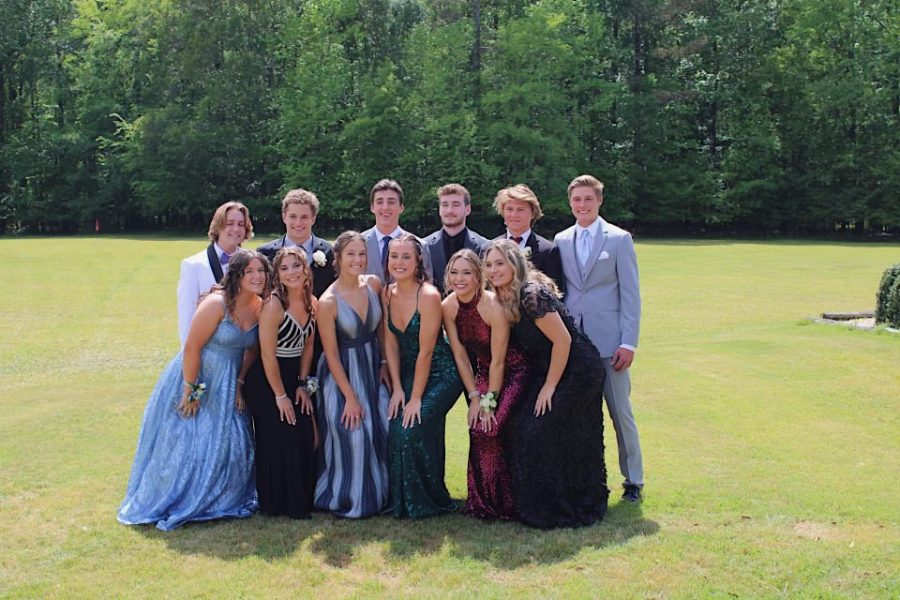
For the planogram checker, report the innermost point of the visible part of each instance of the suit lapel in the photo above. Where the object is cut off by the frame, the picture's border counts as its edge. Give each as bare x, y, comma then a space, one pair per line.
599, 244
374, 253
566, 245
214, 263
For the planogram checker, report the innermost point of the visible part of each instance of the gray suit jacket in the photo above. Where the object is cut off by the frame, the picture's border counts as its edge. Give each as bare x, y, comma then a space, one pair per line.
604, 297
374, 252
435, 245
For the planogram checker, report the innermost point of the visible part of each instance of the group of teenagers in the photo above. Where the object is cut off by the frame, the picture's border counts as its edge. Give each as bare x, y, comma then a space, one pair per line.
319, 377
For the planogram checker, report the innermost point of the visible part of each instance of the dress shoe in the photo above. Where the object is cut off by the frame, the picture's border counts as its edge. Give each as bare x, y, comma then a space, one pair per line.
632, 493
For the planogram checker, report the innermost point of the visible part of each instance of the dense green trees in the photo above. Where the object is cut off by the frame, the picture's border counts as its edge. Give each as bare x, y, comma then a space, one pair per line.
700, 115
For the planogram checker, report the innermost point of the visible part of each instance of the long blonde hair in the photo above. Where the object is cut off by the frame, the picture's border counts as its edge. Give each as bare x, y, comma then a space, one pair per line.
523, 273
473, 259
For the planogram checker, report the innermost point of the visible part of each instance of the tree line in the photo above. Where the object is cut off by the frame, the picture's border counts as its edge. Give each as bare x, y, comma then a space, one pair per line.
724, 116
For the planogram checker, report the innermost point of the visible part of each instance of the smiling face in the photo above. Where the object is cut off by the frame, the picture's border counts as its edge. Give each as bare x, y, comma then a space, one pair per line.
298, 221
585, 204
353, 259
254, 277
498, 269
463, 277
453, 210
402, 260
517, 215
387, 208
292, 273
233, 231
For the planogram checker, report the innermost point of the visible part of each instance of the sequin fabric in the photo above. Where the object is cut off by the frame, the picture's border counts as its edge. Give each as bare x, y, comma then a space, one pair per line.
199, 468
488, 479
416, 454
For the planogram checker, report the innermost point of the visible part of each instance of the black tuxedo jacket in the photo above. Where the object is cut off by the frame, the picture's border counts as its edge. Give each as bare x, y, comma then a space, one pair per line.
545, 257
435, 245
322, 276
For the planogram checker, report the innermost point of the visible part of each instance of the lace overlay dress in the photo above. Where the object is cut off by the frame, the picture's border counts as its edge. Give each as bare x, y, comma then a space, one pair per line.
558, 469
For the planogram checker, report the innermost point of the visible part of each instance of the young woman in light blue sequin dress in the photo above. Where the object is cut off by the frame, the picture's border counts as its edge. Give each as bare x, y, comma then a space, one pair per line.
194, 459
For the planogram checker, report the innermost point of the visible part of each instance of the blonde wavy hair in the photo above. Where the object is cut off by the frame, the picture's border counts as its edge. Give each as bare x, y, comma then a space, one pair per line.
477, 267
523, 273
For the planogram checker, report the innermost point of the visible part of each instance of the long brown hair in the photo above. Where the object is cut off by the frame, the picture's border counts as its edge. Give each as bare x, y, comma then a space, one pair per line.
230, 285
278, 289
341, 243
408, 238
523, 272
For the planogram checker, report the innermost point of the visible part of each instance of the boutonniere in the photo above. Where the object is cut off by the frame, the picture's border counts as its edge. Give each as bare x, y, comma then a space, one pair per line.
527, 252
319, 258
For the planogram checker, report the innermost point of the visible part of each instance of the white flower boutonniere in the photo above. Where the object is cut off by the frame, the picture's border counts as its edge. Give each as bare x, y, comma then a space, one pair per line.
527, 252
318, 258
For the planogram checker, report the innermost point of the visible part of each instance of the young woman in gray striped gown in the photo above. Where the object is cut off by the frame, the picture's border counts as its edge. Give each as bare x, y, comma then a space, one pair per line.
352, 407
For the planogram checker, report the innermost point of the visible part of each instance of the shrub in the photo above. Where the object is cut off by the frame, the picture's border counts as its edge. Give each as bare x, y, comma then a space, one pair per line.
887, 295
892, 310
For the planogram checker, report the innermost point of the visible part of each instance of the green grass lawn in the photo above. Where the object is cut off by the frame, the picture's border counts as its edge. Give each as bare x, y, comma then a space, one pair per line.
772, 446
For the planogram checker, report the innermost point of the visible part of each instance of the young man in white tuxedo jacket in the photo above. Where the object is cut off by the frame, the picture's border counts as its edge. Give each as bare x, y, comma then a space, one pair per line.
603, 296
229, 228
454, 205
386, 203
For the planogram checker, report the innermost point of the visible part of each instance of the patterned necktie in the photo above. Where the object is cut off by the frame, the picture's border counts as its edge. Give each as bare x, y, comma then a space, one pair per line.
516, 238
385, 241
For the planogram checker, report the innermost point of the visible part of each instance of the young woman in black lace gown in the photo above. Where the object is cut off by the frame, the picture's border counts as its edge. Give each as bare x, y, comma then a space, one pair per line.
281, 407
556, 436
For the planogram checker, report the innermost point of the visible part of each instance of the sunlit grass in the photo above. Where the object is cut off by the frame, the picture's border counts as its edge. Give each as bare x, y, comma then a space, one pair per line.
771, 445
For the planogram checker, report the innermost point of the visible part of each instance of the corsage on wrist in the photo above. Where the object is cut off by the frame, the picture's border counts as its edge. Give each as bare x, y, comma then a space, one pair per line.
197, 391
310, 384
488, 401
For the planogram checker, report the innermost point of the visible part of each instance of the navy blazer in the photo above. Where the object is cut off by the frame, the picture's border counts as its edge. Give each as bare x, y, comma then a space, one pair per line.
322, 276
435, 244
545, 257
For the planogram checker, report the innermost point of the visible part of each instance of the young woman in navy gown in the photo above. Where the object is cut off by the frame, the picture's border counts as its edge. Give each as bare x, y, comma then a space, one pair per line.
556, 449
194, 459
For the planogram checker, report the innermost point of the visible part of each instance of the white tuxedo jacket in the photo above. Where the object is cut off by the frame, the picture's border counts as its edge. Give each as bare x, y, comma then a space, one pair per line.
195, 279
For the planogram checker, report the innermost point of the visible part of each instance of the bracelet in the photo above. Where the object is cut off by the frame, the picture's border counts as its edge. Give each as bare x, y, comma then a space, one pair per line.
384, 361
282, 396
240, 381
474, 395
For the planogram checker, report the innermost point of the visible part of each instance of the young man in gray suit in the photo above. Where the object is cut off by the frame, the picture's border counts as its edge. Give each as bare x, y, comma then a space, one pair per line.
386, 203
454, 205
603, 296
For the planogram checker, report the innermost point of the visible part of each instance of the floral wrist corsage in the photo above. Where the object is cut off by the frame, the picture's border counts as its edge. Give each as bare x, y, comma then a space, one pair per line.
488, 401
197, 391
310, 384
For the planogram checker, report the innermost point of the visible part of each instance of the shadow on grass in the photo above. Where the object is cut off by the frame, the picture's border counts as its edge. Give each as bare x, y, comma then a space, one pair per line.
505, 545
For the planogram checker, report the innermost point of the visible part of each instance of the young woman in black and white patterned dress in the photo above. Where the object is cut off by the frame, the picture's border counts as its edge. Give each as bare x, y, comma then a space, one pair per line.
276, 391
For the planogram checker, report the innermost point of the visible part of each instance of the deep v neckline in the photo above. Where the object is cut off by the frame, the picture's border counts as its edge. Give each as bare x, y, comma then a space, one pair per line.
413, 316
363, 318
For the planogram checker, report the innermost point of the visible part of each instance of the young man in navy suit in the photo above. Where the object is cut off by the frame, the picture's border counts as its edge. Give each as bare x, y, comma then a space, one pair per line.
299, 209
229, 228
520, 209
454, 205
603, 296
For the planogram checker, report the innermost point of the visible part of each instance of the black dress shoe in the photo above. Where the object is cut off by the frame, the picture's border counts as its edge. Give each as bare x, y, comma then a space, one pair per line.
632, 493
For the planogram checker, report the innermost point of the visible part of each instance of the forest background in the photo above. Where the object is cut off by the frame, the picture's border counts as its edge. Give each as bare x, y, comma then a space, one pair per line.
723, 117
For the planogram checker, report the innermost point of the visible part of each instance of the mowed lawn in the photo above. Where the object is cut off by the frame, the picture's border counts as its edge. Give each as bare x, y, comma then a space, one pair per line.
772, 446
